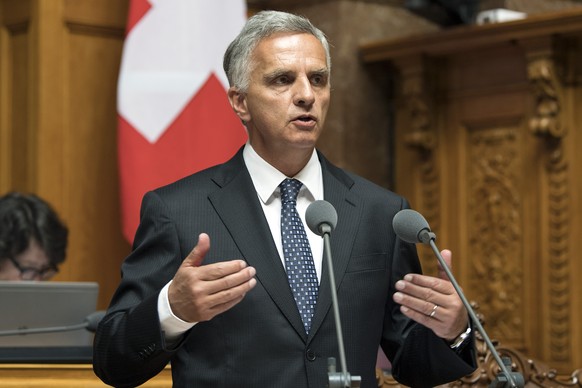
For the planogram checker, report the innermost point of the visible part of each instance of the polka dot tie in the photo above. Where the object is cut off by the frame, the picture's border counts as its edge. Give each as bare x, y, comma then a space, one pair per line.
298, 259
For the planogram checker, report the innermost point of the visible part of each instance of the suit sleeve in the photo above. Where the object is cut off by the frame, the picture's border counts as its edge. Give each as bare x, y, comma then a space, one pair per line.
129, 345
419, 357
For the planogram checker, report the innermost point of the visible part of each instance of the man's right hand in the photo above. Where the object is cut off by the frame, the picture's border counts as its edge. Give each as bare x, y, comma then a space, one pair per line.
200, 292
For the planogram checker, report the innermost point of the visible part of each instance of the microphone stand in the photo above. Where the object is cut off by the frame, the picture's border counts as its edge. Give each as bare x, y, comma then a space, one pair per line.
90, 323
343, 379
504, 379
42, 330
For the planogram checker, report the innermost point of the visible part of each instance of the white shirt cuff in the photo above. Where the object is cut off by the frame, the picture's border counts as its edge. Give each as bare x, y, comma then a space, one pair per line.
172, 326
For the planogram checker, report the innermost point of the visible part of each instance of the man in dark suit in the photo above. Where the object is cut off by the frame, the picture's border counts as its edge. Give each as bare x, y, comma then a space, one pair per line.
229, 314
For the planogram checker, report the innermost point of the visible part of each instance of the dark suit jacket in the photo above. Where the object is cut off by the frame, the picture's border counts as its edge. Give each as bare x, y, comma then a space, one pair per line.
261, 341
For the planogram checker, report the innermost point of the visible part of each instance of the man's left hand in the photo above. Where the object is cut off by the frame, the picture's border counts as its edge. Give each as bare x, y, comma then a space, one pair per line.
433, 302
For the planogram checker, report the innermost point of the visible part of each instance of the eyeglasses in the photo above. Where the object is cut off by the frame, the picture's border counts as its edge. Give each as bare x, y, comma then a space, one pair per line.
29, 273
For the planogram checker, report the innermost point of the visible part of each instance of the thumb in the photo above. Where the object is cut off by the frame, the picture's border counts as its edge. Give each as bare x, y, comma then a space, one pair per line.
196, 256
448, 258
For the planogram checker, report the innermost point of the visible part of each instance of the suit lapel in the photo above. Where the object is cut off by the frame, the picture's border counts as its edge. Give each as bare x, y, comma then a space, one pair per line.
238, 207
337, 192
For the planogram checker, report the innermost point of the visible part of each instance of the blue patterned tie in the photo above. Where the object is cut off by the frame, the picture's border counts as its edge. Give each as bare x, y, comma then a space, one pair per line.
298, 259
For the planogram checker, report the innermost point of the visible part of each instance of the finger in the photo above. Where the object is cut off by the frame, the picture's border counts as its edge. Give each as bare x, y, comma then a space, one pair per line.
448, 305
424, 307
434, 323
231, 295
220, 302
221, 270
424, 287
448, 258
230, 280
196, 256
443, 323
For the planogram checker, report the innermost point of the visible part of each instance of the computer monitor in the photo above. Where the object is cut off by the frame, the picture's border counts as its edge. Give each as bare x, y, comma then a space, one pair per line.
45, 305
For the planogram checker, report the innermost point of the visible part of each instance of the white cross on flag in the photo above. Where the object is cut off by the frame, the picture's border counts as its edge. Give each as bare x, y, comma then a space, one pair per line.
174, 115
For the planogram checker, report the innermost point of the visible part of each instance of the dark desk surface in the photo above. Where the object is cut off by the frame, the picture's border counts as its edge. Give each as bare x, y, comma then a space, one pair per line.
53, 354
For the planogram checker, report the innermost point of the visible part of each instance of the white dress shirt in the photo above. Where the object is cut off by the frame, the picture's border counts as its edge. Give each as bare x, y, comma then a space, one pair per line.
266, 180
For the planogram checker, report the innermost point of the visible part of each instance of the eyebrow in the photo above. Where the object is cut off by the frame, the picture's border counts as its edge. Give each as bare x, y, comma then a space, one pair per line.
279, 72
275, 73
322, 71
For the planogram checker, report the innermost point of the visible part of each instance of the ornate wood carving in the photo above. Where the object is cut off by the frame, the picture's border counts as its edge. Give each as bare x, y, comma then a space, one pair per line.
495, 227
418, 103
559, 219
418, 98
546, 120
547, 124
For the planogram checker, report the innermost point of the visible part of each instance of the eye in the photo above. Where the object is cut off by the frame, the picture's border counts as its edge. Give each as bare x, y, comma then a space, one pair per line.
282, 80
318, 79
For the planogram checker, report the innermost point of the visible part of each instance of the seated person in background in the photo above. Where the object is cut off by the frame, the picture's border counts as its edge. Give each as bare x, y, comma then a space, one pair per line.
33, 239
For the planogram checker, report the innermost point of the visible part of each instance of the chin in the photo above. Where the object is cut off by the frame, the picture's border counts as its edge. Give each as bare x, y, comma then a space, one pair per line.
306, 140
305, 145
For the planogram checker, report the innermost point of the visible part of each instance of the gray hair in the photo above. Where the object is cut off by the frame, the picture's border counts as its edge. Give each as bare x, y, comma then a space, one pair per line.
237, 58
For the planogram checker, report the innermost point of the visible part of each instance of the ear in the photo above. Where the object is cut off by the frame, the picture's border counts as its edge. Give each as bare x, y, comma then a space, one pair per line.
239, 104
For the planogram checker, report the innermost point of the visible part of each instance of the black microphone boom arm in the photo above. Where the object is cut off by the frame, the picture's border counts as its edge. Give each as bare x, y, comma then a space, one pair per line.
321, 218
90, 323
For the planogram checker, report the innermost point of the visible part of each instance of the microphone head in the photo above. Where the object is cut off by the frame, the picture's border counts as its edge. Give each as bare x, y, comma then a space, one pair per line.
408, 225
318, 215
92, 320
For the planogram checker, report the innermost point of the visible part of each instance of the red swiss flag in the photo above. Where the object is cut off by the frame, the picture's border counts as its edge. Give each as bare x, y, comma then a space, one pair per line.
174, 115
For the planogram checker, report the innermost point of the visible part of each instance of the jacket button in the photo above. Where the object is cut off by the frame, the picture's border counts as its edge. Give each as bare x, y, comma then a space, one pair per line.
310, 355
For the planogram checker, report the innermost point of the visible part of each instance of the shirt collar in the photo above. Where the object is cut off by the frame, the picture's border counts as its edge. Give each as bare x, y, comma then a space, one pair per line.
267, 178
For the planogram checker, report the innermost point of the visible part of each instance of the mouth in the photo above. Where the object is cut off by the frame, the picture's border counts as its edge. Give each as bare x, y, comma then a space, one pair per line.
305, 119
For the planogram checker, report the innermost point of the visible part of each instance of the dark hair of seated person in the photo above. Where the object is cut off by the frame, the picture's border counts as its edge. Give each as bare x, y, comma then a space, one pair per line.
33, 239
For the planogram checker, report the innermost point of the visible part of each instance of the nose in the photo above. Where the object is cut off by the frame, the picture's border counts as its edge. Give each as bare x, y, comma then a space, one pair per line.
304, 95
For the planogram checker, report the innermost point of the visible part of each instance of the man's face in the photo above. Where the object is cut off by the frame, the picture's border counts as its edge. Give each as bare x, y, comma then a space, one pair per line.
288, 95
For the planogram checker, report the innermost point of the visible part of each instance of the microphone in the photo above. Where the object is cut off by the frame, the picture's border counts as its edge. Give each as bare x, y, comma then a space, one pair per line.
93, 320
321, 218
90, 323
412, 227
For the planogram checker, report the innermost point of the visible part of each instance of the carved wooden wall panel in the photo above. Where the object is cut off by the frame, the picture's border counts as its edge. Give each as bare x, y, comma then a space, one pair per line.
495, 224
487, 155
488, 146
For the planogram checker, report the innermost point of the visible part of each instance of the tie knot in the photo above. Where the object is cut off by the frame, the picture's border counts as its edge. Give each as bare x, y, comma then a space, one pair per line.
289, 190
